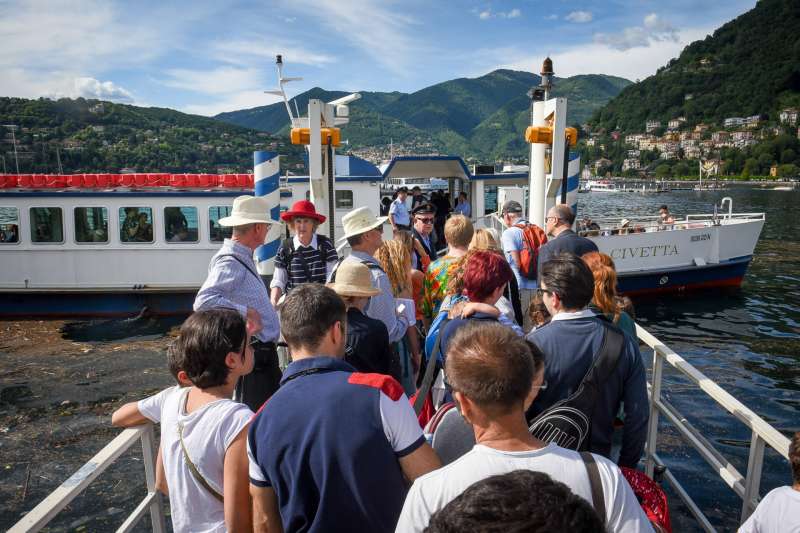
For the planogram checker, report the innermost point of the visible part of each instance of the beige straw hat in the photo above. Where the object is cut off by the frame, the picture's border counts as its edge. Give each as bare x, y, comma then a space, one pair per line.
360, 221
248, 210
353, 279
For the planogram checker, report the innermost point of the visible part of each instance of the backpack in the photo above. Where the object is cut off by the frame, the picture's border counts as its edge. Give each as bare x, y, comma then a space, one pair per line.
568, 422
287, 247
369, 264
533, 237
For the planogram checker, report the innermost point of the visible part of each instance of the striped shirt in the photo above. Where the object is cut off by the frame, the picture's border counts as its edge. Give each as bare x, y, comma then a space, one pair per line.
236, 285
307, 263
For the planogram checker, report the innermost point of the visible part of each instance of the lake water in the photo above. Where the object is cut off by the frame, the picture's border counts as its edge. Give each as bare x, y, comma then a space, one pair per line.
747, 340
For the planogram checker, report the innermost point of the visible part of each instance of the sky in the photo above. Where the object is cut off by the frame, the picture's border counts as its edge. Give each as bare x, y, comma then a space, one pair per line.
210, 56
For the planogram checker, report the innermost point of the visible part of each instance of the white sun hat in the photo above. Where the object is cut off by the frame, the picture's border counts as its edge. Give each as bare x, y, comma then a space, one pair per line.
248, 210
360, 221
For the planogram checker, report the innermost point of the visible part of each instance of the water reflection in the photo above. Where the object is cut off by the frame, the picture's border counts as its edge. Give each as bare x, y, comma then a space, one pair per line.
746, 340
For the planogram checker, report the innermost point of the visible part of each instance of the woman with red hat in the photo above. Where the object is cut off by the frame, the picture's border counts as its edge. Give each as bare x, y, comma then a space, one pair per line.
304, 258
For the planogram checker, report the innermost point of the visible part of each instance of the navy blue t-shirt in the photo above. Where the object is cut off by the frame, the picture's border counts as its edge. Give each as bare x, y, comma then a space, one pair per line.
320, 443
567, 241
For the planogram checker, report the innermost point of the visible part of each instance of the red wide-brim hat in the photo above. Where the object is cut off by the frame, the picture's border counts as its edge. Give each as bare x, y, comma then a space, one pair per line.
304, 209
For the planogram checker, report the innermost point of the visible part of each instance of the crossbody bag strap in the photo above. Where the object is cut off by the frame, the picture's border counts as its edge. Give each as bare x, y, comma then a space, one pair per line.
243, 264
430, 370
598, 497
193, 469
607, 359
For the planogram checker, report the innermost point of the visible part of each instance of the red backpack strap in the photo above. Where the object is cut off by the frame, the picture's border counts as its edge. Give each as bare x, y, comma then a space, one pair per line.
387, 384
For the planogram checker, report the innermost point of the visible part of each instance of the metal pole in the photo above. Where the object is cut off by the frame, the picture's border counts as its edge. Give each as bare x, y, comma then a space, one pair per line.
755, 462
565, 174
652, 427
13, 127
331, 191
149, 451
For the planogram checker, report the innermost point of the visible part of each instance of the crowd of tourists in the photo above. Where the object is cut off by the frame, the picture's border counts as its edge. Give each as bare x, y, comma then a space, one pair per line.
479, 390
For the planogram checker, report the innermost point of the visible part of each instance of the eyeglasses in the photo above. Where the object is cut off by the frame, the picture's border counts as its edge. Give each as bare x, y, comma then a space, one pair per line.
541, 292
425, 220
543, 386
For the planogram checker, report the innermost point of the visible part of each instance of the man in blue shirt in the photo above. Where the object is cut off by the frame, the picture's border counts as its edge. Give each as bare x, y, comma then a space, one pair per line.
463, 207
513, 242
233, 283
558, 225
398, 211
333, 448
571, 342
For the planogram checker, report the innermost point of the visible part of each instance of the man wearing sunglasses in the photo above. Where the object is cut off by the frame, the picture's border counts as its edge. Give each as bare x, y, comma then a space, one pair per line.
424, 218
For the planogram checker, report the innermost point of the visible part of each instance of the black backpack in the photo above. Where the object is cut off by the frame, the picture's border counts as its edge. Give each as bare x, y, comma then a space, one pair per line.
568, 422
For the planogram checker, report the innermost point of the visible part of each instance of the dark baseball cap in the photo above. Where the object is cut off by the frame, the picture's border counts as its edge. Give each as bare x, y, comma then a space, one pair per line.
511, 206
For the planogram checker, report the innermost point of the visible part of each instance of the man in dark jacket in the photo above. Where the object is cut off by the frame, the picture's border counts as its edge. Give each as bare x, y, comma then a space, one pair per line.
367, 347
558, 225
571, 342
423, 219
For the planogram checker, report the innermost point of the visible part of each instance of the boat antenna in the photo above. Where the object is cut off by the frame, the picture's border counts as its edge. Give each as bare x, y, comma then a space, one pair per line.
295, 121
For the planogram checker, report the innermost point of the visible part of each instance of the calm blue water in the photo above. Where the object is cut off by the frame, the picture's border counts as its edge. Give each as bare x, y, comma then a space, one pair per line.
748, 341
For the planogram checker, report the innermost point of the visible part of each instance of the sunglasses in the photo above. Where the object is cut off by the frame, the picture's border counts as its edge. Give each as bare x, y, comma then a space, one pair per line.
425, 220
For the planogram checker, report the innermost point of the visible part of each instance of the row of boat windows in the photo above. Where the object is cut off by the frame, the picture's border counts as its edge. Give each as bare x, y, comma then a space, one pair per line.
91, 224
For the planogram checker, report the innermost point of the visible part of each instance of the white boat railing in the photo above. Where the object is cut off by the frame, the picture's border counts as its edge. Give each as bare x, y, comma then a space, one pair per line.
41, 515
745, 486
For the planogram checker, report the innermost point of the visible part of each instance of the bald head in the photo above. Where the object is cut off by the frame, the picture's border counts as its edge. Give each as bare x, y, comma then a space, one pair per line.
563, 213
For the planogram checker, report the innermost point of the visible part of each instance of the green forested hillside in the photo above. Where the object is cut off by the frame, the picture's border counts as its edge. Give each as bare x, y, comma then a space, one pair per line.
482, 117
95, 136
749, 66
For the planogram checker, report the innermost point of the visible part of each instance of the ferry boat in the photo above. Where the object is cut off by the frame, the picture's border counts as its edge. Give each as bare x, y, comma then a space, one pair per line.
604, 186
115, 245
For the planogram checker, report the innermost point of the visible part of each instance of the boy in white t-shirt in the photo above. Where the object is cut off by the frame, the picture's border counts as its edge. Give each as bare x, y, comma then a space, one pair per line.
203, 432
779, 511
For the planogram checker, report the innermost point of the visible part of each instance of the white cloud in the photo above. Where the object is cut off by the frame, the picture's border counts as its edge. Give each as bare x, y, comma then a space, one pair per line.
487, 14
101, 90
232, 102
592, 58
580, 17
217, 81
551, 17
383, 31
244, 51
653, 29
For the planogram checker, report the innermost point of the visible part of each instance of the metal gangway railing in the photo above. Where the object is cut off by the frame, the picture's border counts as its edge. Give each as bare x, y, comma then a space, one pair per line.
41, 515
762, 434
745, 486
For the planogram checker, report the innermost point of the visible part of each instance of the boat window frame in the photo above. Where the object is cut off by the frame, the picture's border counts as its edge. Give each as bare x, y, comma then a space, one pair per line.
210, 221
19, 225
336, 199
121, 224
197, 229
30, 224
75, 226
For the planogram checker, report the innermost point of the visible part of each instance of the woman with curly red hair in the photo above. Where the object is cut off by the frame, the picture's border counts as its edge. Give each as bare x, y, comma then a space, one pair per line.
605, 297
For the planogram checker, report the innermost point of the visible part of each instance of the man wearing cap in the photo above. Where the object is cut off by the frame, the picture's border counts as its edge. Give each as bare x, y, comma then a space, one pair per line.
513, 242
367, 347
558, 225
233, 282
424, 217
363, 231
417, 197
305, 258
398, 211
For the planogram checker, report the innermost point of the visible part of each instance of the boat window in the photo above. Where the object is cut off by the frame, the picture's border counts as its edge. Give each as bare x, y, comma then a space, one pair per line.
180, 224
91, 224
46, 224
344, 199
218, 233
9, 225
135, 224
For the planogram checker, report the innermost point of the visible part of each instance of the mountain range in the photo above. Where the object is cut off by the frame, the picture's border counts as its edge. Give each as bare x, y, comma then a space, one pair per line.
749, 66
481, 118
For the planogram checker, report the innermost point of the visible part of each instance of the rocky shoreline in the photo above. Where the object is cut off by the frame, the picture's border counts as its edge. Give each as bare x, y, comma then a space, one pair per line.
56, 400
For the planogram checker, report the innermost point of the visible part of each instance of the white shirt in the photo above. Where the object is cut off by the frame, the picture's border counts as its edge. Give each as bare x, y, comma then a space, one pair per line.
778, 512
207, 433
433, 491
572, 315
